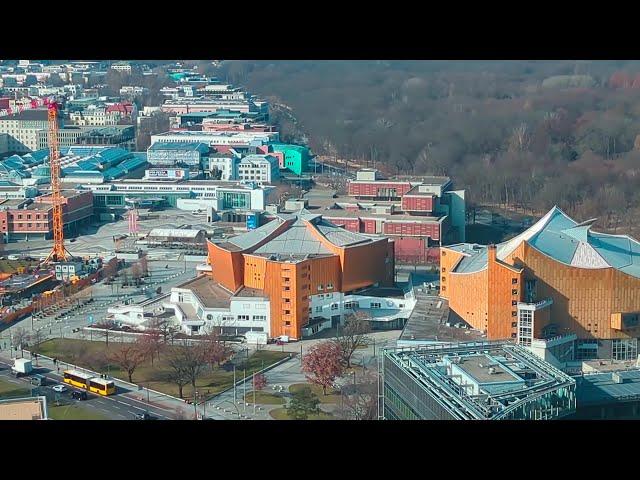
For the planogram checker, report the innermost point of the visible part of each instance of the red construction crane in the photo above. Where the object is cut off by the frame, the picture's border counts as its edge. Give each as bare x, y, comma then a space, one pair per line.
58, 253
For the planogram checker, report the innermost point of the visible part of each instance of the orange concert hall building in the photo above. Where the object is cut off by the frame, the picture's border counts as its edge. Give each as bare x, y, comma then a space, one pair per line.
296, 256
557, 278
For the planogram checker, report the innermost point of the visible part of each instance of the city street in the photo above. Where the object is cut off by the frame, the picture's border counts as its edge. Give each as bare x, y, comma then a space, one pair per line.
117, 407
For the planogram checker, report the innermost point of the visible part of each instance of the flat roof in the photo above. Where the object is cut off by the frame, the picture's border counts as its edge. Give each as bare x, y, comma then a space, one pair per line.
27, 408
431, 367
478, 367
601, 388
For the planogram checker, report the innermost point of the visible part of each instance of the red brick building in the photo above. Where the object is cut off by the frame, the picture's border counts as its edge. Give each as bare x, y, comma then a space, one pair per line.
32, 218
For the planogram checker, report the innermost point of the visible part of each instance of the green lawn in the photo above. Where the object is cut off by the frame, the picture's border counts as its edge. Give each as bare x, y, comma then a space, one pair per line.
264, 398
154, 376
9, 390
332, 396
73, 411
281, 414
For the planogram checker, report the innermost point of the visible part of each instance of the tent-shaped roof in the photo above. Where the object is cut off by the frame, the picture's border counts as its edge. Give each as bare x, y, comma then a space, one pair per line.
565, 240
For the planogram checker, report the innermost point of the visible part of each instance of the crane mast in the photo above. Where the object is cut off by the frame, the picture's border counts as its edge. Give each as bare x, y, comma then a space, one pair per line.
58, 253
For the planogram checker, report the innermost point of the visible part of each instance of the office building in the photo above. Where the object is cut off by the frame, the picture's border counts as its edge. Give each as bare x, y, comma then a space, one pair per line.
259, 168
473, 381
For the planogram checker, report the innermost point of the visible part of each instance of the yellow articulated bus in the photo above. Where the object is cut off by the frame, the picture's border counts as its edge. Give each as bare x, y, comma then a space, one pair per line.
89, 382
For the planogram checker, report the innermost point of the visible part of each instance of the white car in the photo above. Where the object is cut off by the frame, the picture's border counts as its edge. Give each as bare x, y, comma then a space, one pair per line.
59, 388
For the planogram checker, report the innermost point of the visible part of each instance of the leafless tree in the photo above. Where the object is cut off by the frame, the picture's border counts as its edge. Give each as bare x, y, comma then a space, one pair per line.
37, 337
166, 328
215, 350
187, 363
353, 335
127, 356
360, 401
178, 372
20, 339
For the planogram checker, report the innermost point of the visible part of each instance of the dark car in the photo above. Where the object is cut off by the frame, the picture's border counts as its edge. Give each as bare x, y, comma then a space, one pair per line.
144, 416
79, 395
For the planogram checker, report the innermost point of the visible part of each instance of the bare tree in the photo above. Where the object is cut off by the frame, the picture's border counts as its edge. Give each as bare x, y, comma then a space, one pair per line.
150, 344
360, 401
20, 339
214, 350
37, 337
187, 364
166, 328
353, 335
127, 356
179, 371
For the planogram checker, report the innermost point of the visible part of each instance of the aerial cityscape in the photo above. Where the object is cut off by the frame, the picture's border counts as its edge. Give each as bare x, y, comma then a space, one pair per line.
319, 240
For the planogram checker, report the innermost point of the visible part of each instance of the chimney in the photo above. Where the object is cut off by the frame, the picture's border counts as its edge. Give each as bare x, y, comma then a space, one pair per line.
491, 253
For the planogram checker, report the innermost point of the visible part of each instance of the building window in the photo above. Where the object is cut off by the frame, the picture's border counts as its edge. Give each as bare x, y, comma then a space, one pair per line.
351, 305
514, 281
444, 279
334, 306
443, 269
259, 318
287, 312
514, 324
286, 289
318, 309
514, 313
514, 303
525, 327
514, 292
443, 288
243, 317
329, 286
375, 305
320, 287
287, 323
310, 311
624, 349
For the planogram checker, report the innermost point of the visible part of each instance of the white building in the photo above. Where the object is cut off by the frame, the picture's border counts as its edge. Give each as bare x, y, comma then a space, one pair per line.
122, 67
201, 305
259, 168
95, 116
130, 90
223, 165
242, 138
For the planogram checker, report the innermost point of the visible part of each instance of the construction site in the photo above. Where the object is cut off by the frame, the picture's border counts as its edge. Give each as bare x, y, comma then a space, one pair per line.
57, 284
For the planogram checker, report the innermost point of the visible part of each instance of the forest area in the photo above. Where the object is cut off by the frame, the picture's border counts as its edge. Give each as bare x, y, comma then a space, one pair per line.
524, 135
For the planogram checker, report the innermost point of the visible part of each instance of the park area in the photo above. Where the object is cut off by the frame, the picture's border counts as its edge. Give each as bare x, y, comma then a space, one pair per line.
162, 367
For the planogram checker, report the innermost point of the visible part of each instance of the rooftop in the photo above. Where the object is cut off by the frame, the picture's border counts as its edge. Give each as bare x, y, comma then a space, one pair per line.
566, 241
300, 234
604, 388
436, 368
29, 408
210, 293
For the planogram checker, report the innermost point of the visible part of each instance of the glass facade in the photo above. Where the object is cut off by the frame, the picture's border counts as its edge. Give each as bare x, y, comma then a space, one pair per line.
624, 349
418, 386
235, 200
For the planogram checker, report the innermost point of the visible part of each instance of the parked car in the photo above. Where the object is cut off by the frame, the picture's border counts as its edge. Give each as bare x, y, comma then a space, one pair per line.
59, 388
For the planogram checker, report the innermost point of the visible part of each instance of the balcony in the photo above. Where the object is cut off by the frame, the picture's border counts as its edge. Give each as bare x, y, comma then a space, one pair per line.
534, 306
